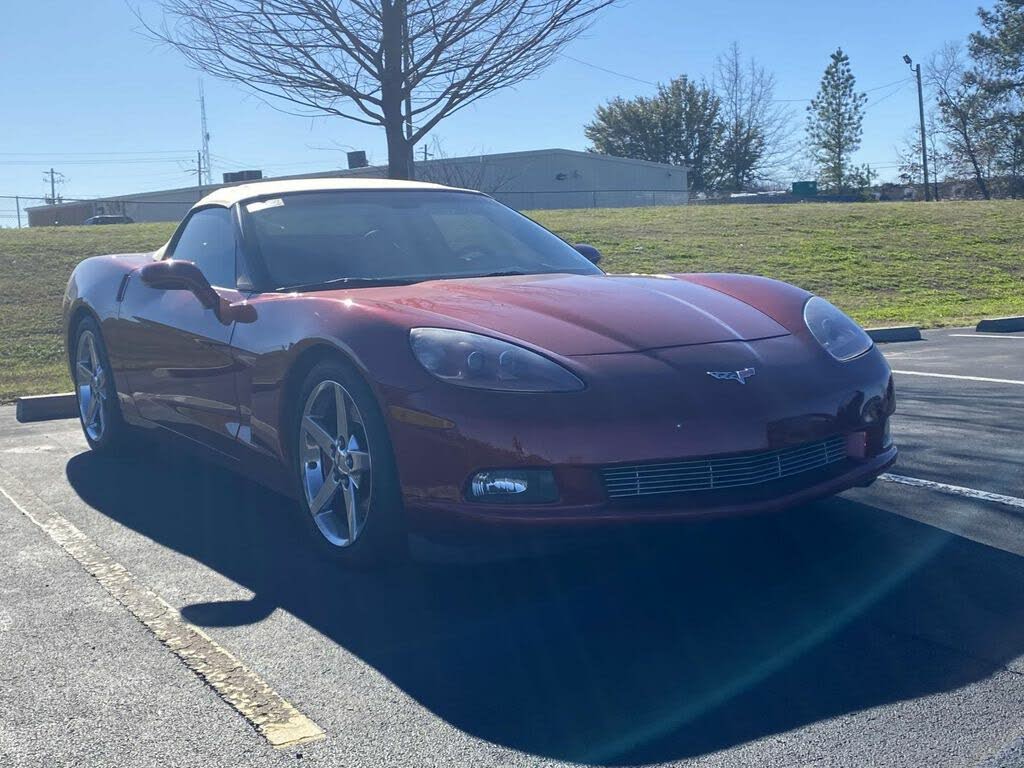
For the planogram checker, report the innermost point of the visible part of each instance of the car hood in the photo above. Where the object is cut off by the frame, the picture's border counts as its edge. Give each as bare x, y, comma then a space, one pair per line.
585, 314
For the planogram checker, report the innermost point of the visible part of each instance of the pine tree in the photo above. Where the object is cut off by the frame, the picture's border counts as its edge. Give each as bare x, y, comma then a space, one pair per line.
834, 124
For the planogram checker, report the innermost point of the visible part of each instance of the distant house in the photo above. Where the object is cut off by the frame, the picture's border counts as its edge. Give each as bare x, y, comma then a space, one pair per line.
544, 178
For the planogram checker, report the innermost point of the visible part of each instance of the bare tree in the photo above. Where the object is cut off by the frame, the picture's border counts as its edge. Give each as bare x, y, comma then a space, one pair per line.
963, 113
404, 65
909, 154
479, 173
757, 131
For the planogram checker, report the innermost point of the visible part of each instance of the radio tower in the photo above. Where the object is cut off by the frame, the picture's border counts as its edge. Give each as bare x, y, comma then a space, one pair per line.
207, 174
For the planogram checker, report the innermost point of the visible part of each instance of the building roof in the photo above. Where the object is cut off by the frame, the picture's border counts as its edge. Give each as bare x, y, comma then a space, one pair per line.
228, 196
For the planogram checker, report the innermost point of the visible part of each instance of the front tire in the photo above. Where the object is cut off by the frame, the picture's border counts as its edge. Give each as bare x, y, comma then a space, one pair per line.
345, 469
98, 409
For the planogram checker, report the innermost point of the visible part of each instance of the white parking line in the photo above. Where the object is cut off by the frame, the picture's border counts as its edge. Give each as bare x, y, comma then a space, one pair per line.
983, 336
954, 490
963, 378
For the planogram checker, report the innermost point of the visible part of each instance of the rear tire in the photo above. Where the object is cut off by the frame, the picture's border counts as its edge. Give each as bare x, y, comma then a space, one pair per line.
344, 469
98, 408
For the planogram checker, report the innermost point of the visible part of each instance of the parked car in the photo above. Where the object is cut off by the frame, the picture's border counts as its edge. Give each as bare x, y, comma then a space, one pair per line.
407, 357
109, 219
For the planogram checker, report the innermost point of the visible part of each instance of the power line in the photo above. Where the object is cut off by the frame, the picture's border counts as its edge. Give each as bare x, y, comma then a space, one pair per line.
608, 71
121, 152
648, 82
883, 98
133, 161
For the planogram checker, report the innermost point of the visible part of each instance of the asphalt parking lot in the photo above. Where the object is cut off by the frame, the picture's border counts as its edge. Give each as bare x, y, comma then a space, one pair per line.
883, 627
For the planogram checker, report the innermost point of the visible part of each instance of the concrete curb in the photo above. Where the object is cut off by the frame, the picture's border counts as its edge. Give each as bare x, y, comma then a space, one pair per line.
1000, 325
46, 407
895, 333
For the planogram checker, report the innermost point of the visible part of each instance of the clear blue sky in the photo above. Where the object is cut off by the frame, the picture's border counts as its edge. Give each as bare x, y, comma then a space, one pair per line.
79, 78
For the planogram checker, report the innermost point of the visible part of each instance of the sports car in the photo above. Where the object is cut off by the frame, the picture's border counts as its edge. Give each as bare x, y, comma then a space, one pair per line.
404, 358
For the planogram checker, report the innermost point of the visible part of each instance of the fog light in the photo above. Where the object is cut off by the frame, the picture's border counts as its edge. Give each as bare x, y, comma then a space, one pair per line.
513, 486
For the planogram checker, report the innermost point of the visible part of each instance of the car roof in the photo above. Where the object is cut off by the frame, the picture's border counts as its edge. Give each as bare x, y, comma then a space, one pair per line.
228, 196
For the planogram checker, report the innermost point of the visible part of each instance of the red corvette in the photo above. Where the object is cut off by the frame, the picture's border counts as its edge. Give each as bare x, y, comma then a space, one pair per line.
407, 357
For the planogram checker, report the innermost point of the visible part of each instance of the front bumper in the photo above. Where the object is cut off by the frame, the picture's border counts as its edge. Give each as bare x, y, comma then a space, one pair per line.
641, 407
454, 518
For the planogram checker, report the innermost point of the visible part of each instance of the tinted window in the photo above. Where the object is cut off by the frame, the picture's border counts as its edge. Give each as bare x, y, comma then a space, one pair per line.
310, 238
209, 241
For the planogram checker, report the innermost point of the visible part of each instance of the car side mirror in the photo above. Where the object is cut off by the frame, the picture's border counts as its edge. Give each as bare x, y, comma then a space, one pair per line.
589, 252
178, 275
181, 275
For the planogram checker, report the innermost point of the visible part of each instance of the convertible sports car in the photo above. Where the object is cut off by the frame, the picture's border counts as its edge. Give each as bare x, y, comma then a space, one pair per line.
405, 357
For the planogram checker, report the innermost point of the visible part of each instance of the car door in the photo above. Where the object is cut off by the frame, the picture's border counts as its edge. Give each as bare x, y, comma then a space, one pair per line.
178, 360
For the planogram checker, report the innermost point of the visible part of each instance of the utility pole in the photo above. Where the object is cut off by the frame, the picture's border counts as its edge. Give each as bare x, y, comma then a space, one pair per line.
17, 207
53, 177
206, 134
916, 69
199, 170
426, 155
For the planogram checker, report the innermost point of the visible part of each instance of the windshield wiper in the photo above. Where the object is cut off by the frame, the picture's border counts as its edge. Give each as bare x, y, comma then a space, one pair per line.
341, 282
502, 273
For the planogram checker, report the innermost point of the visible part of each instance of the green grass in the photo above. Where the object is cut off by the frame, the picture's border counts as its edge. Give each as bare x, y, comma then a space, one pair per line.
34, 269
931, 265
884, 263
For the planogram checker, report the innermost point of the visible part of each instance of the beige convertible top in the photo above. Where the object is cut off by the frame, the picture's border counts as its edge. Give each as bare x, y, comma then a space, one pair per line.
228, 196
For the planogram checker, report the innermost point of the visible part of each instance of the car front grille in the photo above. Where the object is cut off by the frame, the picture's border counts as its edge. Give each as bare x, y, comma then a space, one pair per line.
622, 482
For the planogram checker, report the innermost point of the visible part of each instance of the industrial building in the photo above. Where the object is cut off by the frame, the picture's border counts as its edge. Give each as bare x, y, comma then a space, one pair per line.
546, 178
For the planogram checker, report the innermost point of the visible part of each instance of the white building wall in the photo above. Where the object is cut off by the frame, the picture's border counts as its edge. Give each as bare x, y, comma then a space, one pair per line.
550, 178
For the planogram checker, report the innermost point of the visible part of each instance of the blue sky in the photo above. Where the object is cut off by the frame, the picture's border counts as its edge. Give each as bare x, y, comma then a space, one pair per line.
79, 78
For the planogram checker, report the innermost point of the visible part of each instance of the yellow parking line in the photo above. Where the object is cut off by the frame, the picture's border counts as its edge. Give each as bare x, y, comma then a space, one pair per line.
275, 719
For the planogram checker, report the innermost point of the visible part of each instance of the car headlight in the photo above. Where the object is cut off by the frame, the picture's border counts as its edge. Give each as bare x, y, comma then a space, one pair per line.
472, 360
838, 334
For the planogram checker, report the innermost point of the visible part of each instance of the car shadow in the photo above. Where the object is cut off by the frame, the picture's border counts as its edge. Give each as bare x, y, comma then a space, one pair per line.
646, 646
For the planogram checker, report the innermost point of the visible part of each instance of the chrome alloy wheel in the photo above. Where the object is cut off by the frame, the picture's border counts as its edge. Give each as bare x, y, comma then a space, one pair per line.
91, 385
335, 470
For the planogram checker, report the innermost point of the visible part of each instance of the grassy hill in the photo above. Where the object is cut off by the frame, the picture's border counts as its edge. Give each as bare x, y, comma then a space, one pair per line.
942, 264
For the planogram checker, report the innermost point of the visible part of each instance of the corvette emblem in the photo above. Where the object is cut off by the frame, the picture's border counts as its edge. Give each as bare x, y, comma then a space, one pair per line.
740, 376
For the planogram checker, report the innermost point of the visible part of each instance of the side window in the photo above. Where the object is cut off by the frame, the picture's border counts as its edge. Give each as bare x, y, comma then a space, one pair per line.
209, 241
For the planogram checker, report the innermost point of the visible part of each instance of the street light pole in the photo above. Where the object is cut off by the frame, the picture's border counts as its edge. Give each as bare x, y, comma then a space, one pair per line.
916, 69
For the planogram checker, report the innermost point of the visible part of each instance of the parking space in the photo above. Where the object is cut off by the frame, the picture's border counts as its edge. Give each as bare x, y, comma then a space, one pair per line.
960, 423
883, 627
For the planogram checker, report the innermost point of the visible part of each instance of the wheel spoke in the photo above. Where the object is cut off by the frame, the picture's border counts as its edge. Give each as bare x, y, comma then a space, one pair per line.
349, 490
324, 495
83, 372
360, 461
341, 413
318, 434
94, 404
93, 357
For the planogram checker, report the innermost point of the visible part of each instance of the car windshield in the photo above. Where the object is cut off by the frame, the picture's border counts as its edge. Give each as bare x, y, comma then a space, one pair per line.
366, 237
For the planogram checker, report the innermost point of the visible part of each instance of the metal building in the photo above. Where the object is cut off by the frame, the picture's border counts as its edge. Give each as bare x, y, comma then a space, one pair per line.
546, 178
